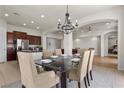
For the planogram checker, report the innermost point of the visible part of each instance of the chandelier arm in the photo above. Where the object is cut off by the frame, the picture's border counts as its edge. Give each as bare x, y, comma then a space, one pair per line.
67, 8
67, 27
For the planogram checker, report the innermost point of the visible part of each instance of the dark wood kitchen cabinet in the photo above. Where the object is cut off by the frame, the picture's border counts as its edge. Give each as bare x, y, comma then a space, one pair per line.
34, 40
11, 52
10, 37
37, 40
20, 35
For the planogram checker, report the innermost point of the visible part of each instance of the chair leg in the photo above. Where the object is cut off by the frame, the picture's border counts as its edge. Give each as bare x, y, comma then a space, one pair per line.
79, 85
57, 85
88, 79
23, 86
70, 80
91, 75
85, 82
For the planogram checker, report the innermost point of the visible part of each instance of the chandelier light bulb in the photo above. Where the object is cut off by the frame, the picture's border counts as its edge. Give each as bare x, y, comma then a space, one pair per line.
76, 20
59, 20
69, 18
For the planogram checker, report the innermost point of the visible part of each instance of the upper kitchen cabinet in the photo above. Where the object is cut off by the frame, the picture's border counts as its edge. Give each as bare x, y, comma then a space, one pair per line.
34, 40
10, 37
20, 35
38, 40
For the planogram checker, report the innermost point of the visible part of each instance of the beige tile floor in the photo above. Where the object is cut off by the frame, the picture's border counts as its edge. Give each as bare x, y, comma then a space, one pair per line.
105, 75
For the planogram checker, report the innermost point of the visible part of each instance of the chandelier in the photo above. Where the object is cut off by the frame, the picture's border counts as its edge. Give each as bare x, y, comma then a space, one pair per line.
67, 27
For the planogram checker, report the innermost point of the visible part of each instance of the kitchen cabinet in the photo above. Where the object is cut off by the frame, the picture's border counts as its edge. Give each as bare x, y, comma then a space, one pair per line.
10, 37
34, 40
11, 51
37, 40
20, 35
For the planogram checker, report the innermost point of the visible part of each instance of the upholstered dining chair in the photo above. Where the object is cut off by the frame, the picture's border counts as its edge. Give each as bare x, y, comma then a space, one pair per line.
79, 51
90, 63
79, 73
29, 76
47, 53
58, 52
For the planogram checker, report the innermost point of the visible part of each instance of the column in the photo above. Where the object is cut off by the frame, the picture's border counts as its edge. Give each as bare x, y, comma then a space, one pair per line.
121, 40
44, 41
106, 45
102, 45
3, 31
68, 43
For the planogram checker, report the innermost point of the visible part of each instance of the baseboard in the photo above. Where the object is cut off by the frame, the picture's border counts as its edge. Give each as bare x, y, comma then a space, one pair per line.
120, 68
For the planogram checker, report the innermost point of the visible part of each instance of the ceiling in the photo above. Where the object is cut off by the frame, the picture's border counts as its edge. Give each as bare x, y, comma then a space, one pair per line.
104, 25
20, 14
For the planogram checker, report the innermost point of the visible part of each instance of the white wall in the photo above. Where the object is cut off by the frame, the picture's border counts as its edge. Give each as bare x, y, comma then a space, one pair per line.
3, 31
50, 35
11, 28
88, 42
53, 43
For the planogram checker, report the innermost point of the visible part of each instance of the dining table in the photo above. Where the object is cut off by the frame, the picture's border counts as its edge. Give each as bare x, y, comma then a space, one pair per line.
62, 64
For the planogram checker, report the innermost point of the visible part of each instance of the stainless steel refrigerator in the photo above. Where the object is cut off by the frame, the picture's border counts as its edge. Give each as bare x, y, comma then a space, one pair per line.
22, 44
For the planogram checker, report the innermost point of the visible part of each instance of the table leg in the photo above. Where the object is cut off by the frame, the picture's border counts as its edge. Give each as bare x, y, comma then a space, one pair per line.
63, 80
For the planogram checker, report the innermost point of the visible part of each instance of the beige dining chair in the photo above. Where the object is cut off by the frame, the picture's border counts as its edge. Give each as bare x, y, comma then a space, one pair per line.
79, 73
29, 76
79, 51
90, 64
47, 53
58, 52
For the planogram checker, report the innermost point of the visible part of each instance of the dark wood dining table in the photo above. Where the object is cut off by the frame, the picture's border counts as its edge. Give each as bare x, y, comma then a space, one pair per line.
61, 64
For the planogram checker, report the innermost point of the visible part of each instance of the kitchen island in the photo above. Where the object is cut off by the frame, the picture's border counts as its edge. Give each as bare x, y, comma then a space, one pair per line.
35, 54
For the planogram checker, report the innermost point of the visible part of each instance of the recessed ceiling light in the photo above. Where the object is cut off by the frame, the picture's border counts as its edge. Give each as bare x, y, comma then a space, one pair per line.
42, 16
24, 24
37, 27
32, 22
6, 14
107, 23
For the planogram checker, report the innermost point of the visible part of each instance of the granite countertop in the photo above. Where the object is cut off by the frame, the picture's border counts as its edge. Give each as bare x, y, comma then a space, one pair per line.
30, 51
